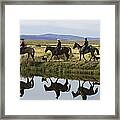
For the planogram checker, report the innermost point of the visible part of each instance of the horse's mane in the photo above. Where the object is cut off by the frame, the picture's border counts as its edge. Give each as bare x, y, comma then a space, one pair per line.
78, 44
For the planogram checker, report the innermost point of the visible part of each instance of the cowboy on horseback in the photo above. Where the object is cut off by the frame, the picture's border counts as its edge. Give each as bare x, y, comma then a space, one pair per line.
26, 49
58, 46
85, 45
22, 45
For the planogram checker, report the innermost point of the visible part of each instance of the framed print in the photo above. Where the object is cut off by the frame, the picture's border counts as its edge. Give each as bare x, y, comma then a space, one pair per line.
60, 60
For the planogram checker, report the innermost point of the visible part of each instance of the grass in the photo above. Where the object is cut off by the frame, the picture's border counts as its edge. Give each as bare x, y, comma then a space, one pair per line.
71, 69
62, 69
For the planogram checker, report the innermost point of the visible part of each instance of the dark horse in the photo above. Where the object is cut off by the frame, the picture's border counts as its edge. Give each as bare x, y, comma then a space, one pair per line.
64, 50
89, 49
85, 91
58, 87
30, 52
24, 85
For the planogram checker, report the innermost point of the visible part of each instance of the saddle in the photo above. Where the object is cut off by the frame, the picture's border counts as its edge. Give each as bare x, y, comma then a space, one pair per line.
86, 48
58, 50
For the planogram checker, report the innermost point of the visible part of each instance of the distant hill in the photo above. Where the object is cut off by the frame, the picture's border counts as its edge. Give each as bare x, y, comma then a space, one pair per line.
54, 37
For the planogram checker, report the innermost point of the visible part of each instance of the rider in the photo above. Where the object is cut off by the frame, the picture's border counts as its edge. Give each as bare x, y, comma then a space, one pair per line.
22, 45
58, 46
85, 44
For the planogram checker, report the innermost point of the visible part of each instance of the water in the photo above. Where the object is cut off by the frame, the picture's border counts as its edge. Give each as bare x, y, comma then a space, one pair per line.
36, 90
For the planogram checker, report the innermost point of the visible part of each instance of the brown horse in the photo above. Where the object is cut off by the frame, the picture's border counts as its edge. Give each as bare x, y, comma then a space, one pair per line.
89, 49
64, 50
30, 52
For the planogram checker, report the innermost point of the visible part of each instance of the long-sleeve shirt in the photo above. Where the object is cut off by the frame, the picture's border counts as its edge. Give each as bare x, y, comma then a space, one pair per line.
59, 45
86, 43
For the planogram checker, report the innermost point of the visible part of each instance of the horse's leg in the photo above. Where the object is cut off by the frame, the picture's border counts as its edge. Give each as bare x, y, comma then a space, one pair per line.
57, 57
67, 55
84, 57
91, 91
83, 83
51, 57
32, 55
57, 93
94, 55
80, 56
91, 56
28, 57
79, 86
56, 80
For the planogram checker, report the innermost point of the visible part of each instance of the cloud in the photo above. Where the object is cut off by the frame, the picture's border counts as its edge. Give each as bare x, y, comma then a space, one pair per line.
75, 27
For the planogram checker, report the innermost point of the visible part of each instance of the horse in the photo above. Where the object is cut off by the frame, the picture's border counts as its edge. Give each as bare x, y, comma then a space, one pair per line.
24, 85
58, 87
85, 91
89, 49
30, 52
64, 50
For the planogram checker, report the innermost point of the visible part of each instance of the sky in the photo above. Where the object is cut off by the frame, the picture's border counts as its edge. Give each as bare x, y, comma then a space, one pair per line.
85, 28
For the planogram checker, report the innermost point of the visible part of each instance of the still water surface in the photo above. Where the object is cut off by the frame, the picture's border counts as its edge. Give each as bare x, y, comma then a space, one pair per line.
38, 91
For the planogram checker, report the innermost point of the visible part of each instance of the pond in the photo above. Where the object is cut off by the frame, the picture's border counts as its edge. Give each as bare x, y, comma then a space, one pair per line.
42, 88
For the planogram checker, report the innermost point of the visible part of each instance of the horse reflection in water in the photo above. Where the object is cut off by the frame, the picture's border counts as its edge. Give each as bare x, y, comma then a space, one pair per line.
24, 85
44, 79
85, 91
58, 87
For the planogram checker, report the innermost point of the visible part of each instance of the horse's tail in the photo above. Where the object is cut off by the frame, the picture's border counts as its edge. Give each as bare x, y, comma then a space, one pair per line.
97, 51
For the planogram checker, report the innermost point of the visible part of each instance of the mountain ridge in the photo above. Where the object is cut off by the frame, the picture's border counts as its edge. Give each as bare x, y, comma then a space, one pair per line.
51, 36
